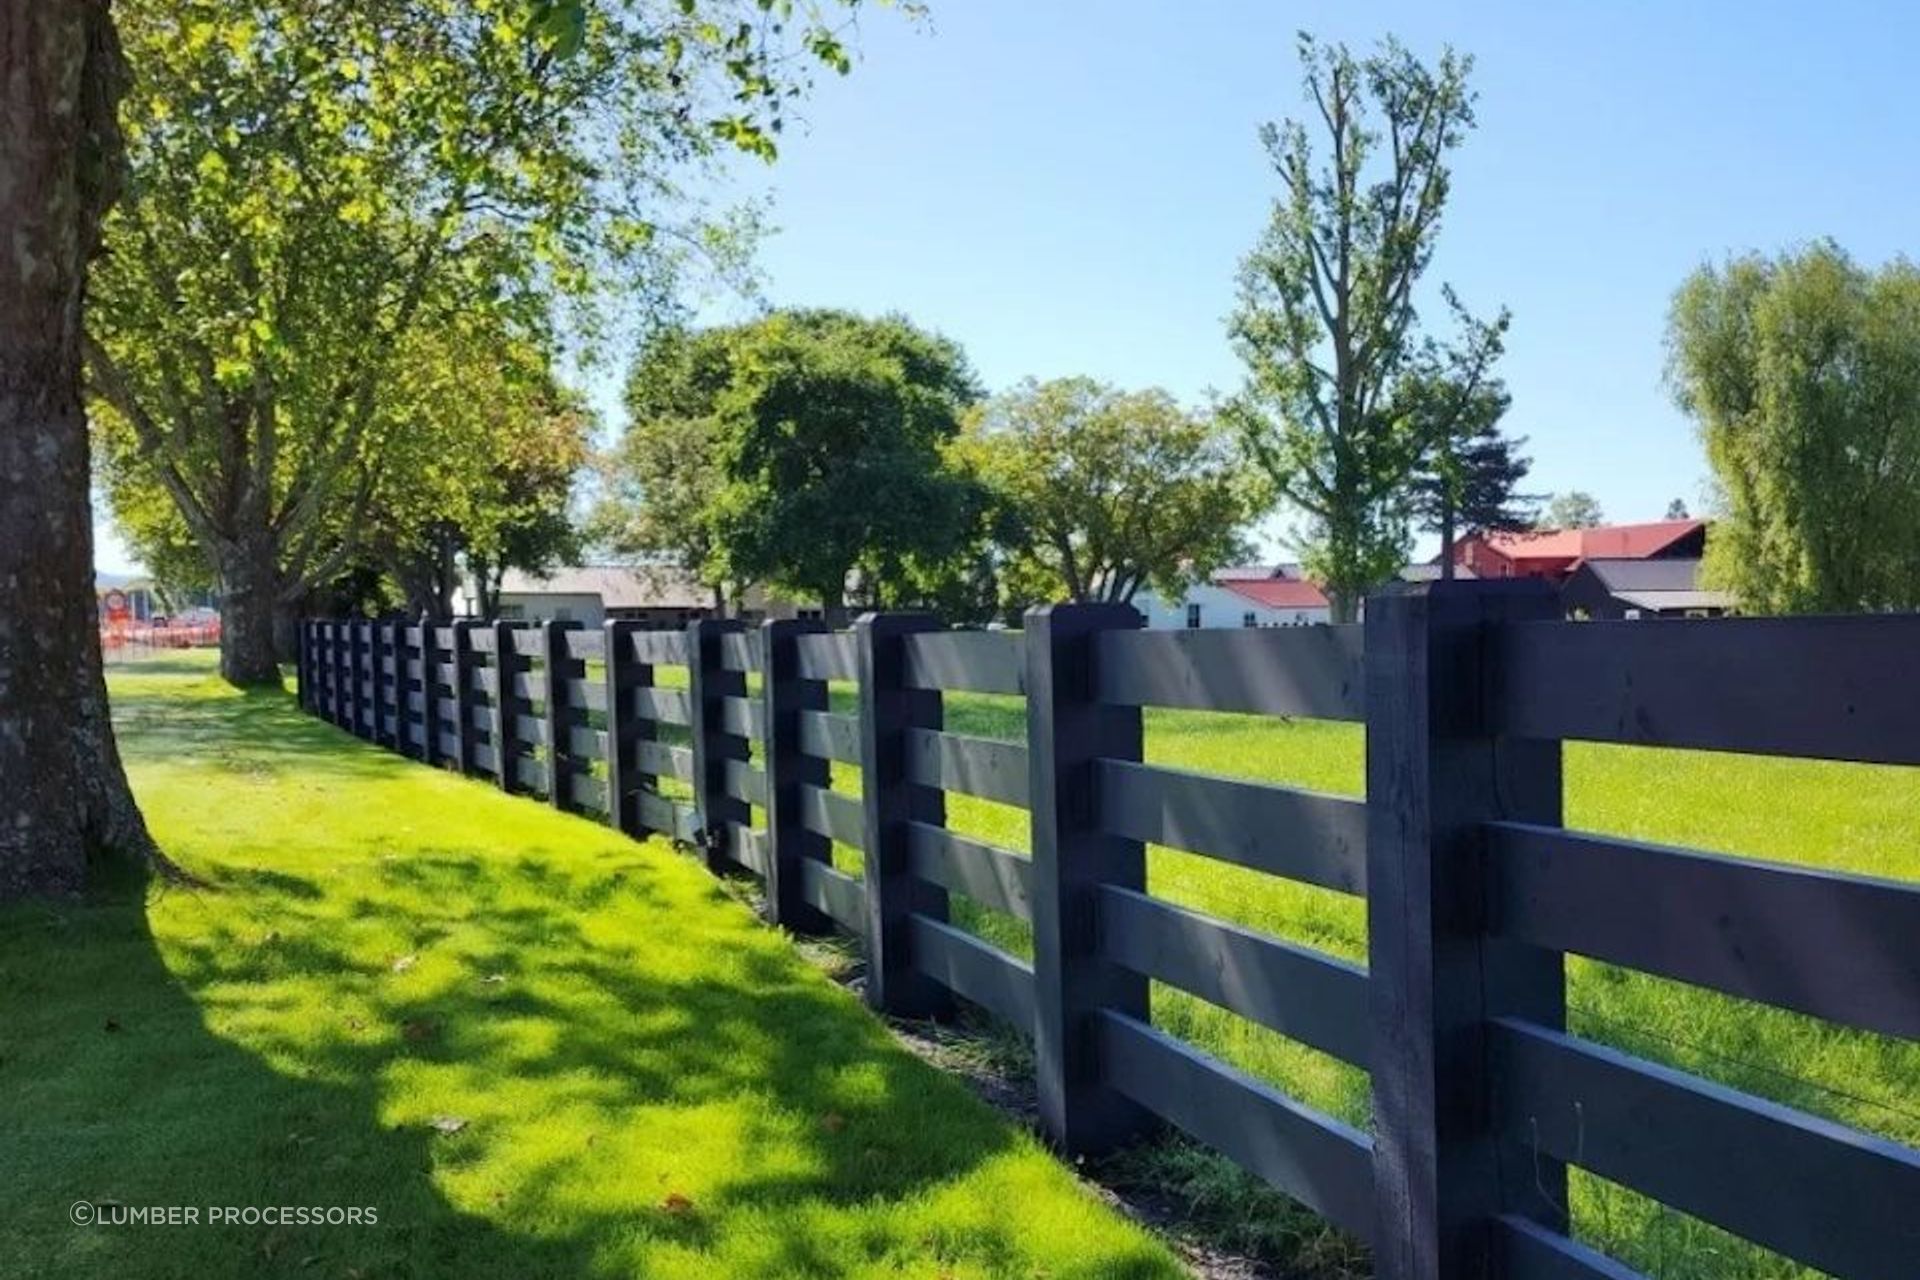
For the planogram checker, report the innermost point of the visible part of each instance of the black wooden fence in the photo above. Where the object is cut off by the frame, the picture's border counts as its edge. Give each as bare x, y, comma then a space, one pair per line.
1475, 892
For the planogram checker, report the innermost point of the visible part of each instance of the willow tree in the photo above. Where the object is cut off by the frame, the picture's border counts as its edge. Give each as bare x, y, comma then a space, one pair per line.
65, 800
1803, 375
1328, 322
313, 182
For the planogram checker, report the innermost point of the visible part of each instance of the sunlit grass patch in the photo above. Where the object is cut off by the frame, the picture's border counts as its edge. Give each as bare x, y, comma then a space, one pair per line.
534, 1047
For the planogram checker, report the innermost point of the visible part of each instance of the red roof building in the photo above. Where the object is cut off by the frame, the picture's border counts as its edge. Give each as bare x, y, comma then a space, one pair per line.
1276, 593
1555, 553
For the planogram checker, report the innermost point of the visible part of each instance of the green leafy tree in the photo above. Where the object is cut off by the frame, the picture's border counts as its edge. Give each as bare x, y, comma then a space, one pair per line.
488, 449
796, 450
311, 183
661, 481
65, 806
1574, 509
1327, 323
1105, 491
1803, 374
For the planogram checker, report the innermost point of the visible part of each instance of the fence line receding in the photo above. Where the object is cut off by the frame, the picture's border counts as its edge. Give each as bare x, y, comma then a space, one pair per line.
1475, 891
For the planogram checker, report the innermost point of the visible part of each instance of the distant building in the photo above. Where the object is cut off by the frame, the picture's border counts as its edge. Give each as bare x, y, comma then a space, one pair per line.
656, 596
1430, 572
1232, 601
1606, 588
1553, 554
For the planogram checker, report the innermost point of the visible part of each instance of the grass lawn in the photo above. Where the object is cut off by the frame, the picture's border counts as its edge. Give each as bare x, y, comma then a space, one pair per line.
1857, 818
534, 1048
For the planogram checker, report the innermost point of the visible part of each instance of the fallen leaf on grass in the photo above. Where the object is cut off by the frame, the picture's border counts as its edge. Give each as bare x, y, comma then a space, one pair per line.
493, 979
405, 963
418, 1029
677, 1204
113, 1024
449, 1124
833, 1122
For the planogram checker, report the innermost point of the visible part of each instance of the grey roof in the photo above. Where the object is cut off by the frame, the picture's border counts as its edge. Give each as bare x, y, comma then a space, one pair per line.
1256, 572
1646, 575
1430, 572
1668, 601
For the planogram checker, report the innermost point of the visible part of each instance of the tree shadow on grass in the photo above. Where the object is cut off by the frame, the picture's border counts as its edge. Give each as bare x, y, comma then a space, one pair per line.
114, 1091
637, 1079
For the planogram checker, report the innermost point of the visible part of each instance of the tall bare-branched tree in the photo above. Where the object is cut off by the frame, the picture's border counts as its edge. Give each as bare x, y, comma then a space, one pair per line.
1328, 322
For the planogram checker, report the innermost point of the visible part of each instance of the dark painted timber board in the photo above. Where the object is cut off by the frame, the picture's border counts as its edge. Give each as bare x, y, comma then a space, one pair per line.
1304, 995
1835, 946
1302, 835
1324, 1164
1284, 671
1826, 1195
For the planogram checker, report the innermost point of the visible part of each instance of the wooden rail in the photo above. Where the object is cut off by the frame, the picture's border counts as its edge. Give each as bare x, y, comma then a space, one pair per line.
1474, 889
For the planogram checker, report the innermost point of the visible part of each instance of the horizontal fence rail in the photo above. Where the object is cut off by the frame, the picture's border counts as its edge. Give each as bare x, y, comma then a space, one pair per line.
725, 738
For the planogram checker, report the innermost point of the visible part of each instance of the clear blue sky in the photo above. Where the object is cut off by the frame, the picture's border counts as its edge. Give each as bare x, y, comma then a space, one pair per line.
1067, 187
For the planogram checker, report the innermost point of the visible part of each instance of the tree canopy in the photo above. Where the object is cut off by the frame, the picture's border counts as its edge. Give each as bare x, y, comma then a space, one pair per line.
1802, 372
311, 184
1104, 491
1328, 323
1572, 509
800, 450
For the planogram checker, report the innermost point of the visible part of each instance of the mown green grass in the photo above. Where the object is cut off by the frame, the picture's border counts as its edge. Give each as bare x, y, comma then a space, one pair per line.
639, 1079
1855, 818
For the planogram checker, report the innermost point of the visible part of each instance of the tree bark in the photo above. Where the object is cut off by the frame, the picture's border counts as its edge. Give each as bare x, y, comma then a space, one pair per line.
249, 600
65, 809
286, 630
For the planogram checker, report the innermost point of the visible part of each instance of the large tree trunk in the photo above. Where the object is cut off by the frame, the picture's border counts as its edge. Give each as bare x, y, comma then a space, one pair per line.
286, 630
65, 806
249, 600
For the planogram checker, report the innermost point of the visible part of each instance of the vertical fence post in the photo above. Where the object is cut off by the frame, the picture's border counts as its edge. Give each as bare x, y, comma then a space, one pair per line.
505, 734
1068, 729
376, 683
386, 692
350, 675
399, 736
463, 668
363, 678
559, 715
713, 746
647, 729
888, 708
342, 652
1435, 775
784, 695
429, 690
622, 726
402, 695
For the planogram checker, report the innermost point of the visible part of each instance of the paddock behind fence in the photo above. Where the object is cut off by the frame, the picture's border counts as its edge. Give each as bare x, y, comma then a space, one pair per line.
1475, 891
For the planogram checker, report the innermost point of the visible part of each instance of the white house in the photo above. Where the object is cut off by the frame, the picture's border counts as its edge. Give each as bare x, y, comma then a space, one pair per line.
1237, 602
